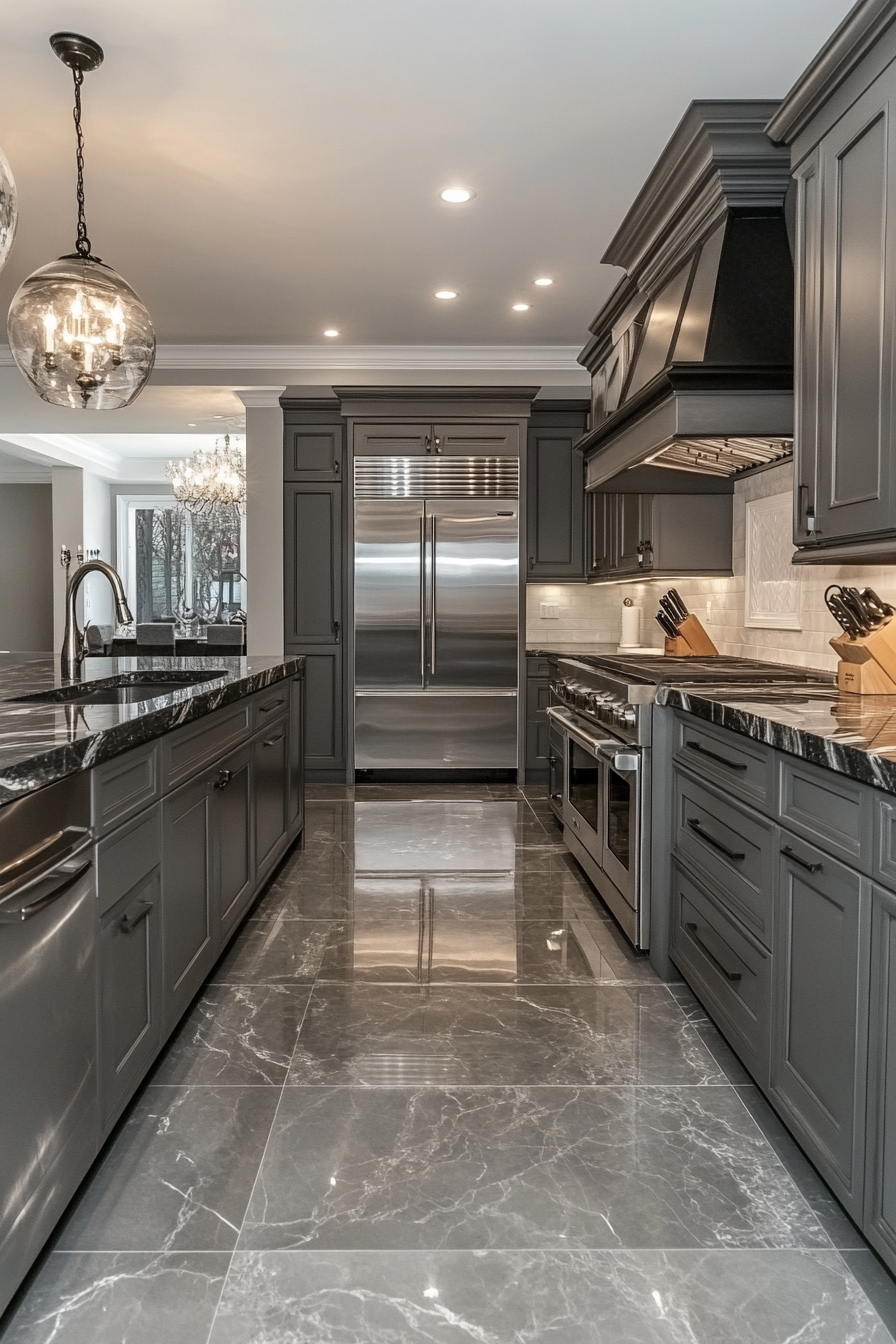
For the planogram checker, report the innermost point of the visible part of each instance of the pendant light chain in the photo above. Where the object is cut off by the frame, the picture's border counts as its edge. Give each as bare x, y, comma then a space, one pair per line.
82, 246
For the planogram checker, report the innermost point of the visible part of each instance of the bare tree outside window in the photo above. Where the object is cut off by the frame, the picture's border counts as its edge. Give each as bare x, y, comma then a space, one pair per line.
187, 561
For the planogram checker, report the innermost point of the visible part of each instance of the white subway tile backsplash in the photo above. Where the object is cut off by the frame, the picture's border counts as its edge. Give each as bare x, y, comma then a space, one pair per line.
593, 612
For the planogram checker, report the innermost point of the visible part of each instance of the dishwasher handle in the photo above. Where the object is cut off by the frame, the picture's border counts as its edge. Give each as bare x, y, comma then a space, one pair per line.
44, 891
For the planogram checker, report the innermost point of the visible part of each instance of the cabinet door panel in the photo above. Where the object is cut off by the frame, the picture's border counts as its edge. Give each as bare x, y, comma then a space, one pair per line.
392, 440
270, 766
187, 894
485, 440
601, 512
233, 821
296, 754
880, 1198
808, 350
324, 745
313, 452
129, 990
556, 485
632, 527
313, 580
820, 1013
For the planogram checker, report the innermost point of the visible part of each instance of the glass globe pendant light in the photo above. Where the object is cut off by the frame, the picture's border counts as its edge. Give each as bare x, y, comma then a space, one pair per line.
8, 210
77, 330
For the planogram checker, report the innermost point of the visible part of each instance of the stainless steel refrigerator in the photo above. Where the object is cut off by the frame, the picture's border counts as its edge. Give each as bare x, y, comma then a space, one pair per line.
436, 612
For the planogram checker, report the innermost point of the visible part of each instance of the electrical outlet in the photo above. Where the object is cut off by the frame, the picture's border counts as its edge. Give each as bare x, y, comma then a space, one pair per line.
550, 611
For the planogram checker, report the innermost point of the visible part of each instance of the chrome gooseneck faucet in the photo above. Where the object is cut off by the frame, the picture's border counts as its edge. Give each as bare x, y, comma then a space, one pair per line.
74, 646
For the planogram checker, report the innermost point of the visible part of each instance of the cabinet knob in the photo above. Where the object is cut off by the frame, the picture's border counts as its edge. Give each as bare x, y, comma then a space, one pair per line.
224, 778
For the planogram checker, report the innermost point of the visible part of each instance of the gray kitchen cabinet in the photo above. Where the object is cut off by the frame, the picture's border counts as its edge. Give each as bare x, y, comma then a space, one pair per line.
659, 536
270, 769
820, 1011
189, 944
129, 993
538, 697
838, 122
555, 472
880, 1182
450, 438
392, 440
233, 858
296, 806
313, 452
313, 588
324, 753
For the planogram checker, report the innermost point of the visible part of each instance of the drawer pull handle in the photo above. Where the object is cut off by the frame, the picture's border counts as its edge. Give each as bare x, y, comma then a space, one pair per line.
128, 923
714, 756
729, 975
271, 741
803, 863
266, 709
711, 840
224, 778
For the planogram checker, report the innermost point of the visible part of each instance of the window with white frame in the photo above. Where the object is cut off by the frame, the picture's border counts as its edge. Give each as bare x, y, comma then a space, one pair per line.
174, 562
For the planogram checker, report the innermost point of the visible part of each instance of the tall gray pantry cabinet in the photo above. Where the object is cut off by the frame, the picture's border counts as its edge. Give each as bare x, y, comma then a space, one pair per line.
838, 121
315, 532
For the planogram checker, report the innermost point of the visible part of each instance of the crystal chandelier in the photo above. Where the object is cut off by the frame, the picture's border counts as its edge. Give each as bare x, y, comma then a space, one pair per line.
209, 478
8, 210
77, 330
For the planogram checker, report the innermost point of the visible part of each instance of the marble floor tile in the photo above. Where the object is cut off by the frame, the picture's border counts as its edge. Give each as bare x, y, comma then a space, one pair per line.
544, 1167
528, 1297
93, 1298
277, 951
710, 1035
236, 1034
178, 1175
558, 1035
876, 1281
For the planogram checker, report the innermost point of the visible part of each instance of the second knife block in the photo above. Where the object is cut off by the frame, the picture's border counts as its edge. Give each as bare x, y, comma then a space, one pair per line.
867, 662
692, 641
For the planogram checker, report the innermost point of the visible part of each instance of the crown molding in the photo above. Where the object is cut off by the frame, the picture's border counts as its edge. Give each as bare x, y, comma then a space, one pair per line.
254, 398
558, 358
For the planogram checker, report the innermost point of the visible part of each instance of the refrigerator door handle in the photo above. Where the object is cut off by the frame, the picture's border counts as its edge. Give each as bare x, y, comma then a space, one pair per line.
422, 597
432, 601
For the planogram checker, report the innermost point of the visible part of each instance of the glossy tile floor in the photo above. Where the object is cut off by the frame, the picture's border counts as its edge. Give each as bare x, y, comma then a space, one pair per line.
431, 1094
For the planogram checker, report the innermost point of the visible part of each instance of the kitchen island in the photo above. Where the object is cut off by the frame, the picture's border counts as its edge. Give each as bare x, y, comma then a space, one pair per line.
141, 811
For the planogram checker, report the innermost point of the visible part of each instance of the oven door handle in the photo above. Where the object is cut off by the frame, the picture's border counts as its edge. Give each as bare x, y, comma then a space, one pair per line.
624, 759
593, 744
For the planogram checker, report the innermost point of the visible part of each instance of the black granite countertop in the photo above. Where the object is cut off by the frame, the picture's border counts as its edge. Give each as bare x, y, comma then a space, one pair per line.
573, 650
852, 734
40, 742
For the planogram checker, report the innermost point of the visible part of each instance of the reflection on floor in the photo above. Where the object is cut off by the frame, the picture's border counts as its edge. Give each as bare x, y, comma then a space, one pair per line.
431, 1093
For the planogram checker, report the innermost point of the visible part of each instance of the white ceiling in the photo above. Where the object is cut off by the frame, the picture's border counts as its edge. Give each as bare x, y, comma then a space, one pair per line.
262, 171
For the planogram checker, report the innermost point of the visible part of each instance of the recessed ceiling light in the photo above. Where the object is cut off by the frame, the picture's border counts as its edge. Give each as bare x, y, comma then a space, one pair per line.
191, 424
544, 281
331, 331
457, 195
446, 294
521, 307
217, 417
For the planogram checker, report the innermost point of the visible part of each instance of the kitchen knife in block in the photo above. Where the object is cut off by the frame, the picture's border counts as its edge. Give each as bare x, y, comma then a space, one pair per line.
692, 641
867, 663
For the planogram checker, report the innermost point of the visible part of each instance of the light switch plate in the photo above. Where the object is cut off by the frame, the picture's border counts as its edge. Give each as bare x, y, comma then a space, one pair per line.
550, 611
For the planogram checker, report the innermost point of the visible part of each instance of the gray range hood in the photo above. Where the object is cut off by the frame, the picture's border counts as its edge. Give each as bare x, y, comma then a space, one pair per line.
691, 358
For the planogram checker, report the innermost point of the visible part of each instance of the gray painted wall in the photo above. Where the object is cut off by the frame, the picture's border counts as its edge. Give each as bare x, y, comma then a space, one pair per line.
26, 567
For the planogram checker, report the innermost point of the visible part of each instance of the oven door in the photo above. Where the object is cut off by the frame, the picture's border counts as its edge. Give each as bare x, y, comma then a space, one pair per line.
583, 783
620, 823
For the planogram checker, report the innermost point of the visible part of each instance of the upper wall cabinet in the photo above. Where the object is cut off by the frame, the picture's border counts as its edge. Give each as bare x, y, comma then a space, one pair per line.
839, 123
313, 452
556, 492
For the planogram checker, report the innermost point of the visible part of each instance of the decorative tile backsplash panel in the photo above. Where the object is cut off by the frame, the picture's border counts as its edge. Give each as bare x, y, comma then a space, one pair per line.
593, 613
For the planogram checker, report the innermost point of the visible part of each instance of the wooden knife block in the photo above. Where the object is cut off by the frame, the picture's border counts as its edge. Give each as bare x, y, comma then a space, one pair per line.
867, 662
692, 641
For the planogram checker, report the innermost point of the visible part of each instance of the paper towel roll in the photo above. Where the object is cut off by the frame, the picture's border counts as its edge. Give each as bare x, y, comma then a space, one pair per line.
631, 627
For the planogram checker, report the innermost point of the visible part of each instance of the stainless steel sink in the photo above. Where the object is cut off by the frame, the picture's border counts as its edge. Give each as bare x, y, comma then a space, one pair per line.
128, 689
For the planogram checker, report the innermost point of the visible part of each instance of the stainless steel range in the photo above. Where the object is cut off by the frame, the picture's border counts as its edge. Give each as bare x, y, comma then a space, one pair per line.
601, 717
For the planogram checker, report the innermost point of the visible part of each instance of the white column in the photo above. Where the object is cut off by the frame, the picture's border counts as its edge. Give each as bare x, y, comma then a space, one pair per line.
68, 530
264, 520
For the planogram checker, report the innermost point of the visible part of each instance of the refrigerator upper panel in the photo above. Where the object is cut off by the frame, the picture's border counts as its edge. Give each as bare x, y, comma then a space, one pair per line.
473, 593
389, 576
436, 477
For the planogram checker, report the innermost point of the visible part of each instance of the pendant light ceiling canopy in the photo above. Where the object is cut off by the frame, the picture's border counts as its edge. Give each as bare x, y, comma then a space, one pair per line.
77, 330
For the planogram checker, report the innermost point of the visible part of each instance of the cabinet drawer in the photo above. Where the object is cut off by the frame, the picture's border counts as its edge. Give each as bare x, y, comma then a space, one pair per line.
269, 704
127, 856
742, 767
538, 667
189, 749
124, 786
730, 971
834, 812
734, 847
